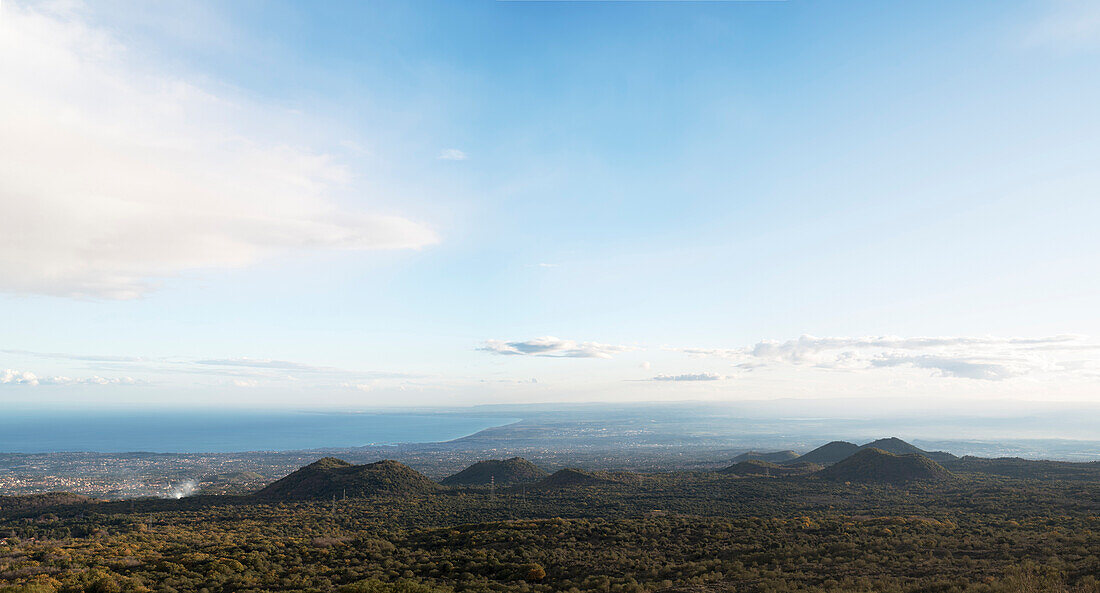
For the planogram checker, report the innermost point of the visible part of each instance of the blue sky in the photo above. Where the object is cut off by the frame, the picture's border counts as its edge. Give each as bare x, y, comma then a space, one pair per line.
403, 203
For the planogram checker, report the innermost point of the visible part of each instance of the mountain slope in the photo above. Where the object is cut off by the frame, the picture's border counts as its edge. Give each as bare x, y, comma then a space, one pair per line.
829, 453
516, 470
573, 477
876, 465
899, 447
330, 477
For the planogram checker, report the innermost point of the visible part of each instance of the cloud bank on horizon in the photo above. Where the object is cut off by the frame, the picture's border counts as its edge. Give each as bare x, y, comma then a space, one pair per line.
917, 360
967, 357
12, 377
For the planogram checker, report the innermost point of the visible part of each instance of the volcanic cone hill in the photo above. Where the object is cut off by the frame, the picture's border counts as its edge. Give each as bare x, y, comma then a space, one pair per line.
572, 477
330, 477
516, 470
770, 456
876, 465
829, 453
899, 447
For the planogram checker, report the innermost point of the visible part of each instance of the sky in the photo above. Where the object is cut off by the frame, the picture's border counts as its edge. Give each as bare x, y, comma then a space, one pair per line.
362, 205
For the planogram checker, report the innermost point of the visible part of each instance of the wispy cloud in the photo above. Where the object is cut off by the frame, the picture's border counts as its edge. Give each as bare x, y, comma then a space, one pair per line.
806, 348
93, 380
451, 154
259, 363
1071, 25
161, 174
552, 347
957, 367
971, 357
690, 377
74, 357
238, 371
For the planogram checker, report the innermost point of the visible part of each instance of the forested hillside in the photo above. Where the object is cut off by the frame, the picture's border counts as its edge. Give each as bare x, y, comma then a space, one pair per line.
581, 531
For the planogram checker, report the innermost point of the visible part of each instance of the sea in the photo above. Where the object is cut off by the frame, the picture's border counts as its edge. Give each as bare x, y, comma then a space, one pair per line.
222, 431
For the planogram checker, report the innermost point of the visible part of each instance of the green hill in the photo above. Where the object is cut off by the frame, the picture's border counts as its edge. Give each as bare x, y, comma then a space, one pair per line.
572, 477
899, 447
516, 470
876, 465
839, 450
829, 453
770, 456
330, 477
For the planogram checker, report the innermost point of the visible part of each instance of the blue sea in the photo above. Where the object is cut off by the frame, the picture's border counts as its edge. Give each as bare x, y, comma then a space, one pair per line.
224, 431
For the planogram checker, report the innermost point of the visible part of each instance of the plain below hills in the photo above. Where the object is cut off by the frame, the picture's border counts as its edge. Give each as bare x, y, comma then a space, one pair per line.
769, 456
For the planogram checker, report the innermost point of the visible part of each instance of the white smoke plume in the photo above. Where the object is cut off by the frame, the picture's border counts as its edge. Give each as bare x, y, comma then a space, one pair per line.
185, 488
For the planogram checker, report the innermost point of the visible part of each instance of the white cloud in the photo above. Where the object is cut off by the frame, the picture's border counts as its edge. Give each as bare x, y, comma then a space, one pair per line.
550, 346
93, 380
985, 358
28, 378
956, 367
690, 377
112, 177
452, 154
18, 377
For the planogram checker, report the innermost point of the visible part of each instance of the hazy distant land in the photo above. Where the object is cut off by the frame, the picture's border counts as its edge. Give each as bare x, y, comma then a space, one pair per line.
653, 437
